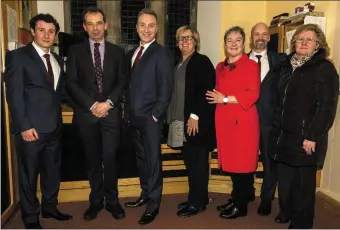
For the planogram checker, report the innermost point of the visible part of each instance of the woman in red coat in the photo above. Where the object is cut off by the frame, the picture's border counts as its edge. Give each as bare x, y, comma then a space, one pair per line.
237, 122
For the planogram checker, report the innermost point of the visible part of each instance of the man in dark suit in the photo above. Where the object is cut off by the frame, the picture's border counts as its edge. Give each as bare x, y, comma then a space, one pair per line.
267, 61
96, 78
149, 95
34, 81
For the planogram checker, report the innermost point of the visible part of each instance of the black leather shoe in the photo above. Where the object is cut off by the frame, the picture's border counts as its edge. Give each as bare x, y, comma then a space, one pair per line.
232, 213
183, 205
226, 206
281, 219
35, 225
190, 210
148, 217
116, 210
92, 212
56, 215
265, 208
136, 203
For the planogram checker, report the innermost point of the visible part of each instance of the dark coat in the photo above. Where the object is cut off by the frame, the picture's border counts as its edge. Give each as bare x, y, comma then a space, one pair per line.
81, 81
32, 100
307, 103
200, 77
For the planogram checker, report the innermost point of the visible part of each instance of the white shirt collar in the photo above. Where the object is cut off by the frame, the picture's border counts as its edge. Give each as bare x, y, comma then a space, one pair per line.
147, 44
39, 50
263, 54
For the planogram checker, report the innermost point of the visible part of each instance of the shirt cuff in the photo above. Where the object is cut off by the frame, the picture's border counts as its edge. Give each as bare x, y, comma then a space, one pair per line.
108, 100
194, 116
93, 105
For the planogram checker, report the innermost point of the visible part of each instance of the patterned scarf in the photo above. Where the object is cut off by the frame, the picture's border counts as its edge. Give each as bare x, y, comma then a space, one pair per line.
299, 62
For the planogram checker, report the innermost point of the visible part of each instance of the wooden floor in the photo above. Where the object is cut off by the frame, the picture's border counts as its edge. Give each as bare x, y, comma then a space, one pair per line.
327, 216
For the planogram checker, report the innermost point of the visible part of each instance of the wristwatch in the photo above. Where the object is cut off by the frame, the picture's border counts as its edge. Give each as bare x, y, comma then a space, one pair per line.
225, 100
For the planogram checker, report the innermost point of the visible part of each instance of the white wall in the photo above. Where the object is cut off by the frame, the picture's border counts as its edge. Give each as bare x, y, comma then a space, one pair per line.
55, 8
209, 27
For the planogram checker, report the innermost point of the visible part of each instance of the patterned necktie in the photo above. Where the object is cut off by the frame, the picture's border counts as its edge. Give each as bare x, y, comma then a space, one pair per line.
49, 69
139, 55
259, 62
98, 68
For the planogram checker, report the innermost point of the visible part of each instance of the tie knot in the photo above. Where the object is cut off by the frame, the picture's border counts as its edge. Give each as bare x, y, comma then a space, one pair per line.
47, 56
96, 45
258, 57
141, 48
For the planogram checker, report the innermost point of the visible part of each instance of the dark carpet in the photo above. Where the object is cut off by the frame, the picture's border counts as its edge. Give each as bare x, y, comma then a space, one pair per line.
327, 216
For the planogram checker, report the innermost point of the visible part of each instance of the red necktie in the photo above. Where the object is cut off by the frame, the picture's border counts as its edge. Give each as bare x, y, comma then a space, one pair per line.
259, 62
139, 55
98, 68
49, 69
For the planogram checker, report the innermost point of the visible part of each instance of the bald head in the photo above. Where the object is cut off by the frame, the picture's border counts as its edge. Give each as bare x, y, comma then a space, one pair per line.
259, 37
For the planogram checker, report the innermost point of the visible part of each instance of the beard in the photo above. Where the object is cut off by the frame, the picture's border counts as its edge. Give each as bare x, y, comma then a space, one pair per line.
262, 45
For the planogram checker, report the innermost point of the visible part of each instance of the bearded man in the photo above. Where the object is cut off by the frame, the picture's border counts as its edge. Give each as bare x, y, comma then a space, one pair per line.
267, 61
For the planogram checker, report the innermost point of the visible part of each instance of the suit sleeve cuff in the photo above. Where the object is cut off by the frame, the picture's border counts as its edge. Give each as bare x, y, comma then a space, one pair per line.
93, 105
194, 116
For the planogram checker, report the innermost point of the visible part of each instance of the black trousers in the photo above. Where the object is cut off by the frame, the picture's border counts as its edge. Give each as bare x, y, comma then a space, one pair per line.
147, 140
297, 194
101, 141
269, 167
196, 161
41, 156
243, 189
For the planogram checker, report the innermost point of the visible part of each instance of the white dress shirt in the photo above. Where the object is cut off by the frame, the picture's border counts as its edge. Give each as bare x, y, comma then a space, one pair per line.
54, 63
137, 50
264, 62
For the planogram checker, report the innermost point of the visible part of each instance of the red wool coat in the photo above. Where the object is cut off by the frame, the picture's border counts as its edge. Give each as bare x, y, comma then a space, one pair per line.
237, 125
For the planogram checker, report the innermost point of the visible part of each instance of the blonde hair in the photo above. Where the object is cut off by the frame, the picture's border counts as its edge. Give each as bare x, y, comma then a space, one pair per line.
194, 32
321, 38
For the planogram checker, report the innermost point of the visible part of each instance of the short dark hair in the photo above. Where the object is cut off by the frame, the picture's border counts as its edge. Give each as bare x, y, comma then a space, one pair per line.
93, 9
46, 18
147, 11
233, 30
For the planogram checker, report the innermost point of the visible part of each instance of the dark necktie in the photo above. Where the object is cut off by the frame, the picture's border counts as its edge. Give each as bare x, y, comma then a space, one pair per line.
98, 68
49, 69
139, 55
259, 62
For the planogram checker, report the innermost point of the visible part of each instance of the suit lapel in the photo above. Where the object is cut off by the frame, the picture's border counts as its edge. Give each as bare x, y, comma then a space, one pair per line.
145, 57
61, 66
40, 64
107, 61
88, 61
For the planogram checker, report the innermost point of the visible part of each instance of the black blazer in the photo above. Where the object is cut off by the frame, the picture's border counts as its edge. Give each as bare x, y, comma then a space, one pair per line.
32, 100
200, 77
81, 80
266, 103
151, 83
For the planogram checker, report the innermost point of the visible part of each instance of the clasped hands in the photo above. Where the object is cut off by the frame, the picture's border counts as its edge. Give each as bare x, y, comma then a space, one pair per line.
309, 146
101, 109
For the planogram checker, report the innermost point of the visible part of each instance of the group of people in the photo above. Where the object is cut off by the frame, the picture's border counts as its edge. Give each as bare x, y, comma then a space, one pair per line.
282, 105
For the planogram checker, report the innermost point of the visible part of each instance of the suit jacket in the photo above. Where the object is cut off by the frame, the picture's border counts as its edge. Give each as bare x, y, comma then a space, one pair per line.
266, 103
200, 77
32, 100
151, 83
81, 81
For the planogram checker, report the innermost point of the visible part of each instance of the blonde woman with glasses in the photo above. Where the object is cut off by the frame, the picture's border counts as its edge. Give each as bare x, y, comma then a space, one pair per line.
191, 118
308, 96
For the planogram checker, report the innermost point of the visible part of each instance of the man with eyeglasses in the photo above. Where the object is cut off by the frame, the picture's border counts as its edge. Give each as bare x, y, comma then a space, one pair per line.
96, 78
267, 60
148, 97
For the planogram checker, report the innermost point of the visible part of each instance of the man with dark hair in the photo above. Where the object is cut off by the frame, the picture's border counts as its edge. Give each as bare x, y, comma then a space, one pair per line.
96, 78
267, 61
149, 94
34, 82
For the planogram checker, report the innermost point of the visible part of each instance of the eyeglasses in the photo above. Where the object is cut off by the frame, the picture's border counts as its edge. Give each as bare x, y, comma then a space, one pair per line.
231, 42
185, 38
305, 41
